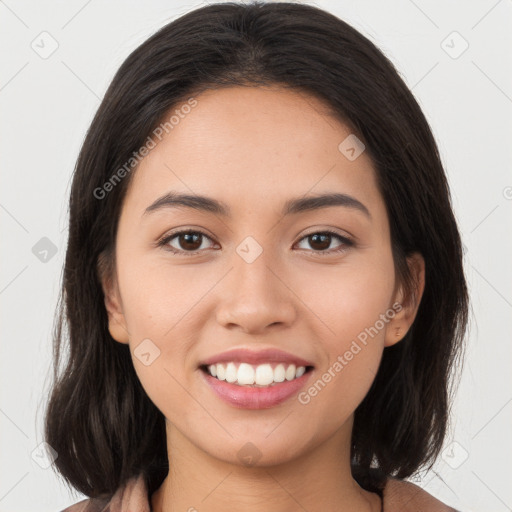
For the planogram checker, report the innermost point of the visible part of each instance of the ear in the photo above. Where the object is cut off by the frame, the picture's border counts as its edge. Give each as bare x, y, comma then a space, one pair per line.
113, 304
406, 303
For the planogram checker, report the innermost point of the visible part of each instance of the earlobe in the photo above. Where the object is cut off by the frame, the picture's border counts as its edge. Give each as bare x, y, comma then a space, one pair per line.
116, 321
408, 302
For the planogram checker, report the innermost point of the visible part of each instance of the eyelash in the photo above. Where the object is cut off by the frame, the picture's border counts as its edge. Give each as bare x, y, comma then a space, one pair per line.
346, 242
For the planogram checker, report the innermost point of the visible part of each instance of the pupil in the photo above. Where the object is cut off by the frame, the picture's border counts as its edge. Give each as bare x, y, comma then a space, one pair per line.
325, 237
187, 237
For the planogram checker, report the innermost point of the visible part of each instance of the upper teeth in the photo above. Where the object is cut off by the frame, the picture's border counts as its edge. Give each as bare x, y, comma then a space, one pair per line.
261, 375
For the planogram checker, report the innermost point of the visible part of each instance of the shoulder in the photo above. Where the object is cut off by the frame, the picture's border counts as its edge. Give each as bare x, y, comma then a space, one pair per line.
403, 496
130, 496
89, 505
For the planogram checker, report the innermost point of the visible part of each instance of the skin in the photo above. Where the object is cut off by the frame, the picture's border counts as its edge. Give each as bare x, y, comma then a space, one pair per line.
254, 148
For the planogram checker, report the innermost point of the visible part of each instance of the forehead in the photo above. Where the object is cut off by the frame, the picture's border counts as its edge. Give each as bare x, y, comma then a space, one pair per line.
251, 147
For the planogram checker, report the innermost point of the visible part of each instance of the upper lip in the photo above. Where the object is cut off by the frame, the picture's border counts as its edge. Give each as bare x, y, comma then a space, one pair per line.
270, 355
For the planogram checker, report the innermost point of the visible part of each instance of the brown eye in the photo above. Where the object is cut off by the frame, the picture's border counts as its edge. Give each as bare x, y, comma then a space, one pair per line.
189, 241
184, 242
321, 241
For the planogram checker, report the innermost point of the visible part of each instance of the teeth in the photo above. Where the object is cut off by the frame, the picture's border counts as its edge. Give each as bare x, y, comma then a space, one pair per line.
260, 375
279, 373
221, 372
300, 371
245, 374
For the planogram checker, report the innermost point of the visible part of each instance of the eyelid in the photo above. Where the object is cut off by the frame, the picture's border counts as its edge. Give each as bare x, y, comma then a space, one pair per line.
334, 231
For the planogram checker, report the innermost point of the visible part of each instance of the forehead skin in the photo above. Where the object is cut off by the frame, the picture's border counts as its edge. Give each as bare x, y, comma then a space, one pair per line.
253, 148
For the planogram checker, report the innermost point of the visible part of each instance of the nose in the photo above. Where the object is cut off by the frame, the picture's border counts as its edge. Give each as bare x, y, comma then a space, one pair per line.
254, 297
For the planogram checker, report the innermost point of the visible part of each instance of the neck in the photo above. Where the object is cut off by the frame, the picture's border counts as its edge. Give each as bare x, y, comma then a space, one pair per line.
318, 480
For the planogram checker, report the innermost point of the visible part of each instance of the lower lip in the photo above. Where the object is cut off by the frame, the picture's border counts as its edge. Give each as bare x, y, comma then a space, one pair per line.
245, 397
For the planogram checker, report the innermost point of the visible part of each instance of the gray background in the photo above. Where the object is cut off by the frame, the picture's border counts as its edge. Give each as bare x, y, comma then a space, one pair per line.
47, 103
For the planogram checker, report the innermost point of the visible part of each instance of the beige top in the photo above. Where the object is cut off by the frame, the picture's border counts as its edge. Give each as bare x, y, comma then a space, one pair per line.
399, 496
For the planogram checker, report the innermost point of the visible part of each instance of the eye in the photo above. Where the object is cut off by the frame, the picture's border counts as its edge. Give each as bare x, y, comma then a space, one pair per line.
188, 241
191, 242
321, 240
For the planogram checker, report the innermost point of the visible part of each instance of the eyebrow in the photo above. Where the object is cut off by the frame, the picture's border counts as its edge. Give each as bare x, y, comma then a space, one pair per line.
292, 206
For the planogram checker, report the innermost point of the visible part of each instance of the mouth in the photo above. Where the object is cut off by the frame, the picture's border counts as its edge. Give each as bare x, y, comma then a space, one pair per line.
255, 379
260, 391
255, 376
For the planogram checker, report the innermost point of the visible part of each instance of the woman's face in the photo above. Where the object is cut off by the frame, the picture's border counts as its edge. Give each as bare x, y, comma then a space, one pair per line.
254, 276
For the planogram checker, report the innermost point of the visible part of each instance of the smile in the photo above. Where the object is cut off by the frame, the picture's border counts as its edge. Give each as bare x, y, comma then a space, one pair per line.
253, 395
262, 375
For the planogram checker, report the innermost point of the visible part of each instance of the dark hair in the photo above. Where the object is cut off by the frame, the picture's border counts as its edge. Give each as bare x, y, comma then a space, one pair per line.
99, 419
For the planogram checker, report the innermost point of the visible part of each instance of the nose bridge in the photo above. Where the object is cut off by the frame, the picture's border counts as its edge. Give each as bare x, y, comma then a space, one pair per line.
251, 265
252, 277
255, 297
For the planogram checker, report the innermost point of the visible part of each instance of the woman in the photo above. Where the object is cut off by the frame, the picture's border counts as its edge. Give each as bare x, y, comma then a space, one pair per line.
263, 283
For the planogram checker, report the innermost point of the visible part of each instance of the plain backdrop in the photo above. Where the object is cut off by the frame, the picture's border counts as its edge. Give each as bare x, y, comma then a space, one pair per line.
57, 59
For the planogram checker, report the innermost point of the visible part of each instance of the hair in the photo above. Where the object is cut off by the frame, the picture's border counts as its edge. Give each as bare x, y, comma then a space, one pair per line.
99, 419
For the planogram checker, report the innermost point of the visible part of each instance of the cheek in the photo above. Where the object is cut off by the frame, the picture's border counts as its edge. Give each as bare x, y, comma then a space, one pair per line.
157, 308
158, 298
354, 307
352, 347
351, 298
160, 306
